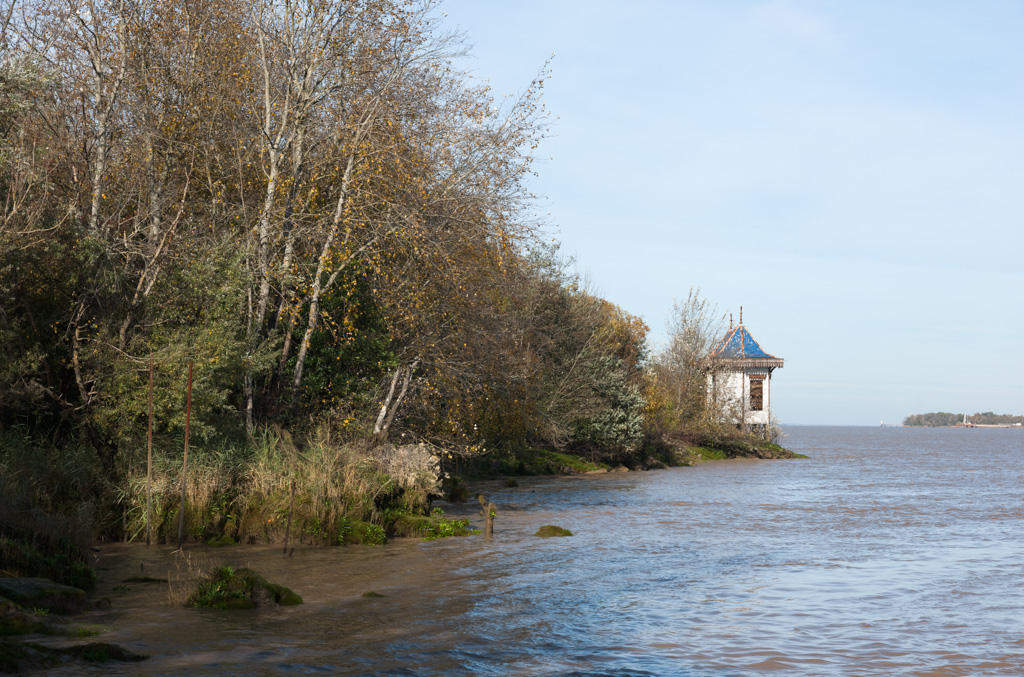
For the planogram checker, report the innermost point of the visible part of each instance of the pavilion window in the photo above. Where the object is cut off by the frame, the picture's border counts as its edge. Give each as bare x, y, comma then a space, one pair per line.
756, 394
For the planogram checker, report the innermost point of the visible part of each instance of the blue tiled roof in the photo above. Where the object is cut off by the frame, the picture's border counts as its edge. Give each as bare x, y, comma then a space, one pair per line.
738, 343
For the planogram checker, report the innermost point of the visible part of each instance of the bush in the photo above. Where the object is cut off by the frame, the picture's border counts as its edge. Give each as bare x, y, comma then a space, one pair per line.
227, 588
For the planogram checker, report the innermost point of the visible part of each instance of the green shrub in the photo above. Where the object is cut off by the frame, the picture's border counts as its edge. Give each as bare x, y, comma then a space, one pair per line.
227, 588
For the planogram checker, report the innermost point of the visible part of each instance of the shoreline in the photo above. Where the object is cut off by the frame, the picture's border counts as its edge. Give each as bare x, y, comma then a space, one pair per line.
165, 571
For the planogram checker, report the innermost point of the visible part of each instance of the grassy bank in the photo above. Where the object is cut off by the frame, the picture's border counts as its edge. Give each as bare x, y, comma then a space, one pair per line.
683, 452
325, 490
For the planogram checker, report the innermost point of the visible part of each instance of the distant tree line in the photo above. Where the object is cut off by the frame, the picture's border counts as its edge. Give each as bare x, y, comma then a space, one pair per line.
943, 418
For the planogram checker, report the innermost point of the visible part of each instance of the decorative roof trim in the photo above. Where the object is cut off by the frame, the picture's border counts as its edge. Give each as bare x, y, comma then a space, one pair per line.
743, 362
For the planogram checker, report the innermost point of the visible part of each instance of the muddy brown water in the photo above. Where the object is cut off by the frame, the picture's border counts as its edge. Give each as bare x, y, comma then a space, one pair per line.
891, 551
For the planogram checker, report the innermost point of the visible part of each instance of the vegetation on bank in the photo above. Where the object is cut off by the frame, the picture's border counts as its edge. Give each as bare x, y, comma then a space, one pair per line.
943, 419
314, 210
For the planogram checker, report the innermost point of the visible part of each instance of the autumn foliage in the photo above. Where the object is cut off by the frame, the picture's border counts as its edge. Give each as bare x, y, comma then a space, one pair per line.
311, 202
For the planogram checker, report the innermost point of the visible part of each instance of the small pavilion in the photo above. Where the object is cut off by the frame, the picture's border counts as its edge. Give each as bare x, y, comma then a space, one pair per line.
739, 380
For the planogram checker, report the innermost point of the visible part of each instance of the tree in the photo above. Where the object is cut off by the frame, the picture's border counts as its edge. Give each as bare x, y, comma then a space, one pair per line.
680, 369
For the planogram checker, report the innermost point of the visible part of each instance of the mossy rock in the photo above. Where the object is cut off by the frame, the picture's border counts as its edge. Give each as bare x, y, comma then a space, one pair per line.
79, 629
550, 530
39, 593
511, 484
28, 656
16, 622
373, 595
231, 589
221, 541
102, 652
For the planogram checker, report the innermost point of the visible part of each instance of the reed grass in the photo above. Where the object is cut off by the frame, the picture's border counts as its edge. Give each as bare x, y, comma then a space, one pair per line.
244, 493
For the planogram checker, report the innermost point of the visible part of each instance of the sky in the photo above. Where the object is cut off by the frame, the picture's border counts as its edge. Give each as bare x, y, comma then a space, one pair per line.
851, 173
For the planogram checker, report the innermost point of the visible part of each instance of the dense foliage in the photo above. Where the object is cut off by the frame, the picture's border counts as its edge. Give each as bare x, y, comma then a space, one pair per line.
310, 203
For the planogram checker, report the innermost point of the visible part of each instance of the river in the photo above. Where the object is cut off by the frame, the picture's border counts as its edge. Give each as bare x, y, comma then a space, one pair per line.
890, 551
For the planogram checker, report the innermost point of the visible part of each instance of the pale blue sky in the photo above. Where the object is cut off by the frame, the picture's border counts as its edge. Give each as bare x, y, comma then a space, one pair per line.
852, 173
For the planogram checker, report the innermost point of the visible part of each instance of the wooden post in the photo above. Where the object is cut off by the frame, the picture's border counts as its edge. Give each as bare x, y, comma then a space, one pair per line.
288, 527
489, 511
184, 464
149, 458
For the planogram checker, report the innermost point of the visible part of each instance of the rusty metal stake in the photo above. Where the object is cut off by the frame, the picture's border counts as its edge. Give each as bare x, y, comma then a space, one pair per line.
184, 464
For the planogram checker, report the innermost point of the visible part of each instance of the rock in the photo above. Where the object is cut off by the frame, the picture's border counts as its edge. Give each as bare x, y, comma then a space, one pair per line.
29, 656
549, 530
101, 652
620, 468
39, 593
652, 463
599, 471
14, 620
232, 589
373, 594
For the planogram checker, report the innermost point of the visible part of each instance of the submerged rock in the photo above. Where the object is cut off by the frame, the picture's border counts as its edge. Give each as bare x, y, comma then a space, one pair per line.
228, 588
15, 620
28, 656
550, 530
39, 593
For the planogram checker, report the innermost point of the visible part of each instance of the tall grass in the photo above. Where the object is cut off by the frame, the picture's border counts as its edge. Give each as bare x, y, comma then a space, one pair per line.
48, 509
242, 494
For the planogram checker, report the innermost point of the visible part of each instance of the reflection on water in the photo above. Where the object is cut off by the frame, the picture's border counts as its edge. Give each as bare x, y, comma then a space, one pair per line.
890, 551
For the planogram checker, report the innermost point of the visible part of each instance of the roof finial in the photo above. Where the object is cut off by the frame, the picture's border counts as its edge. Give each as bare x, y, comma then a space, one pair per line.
730, 321
741, 314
